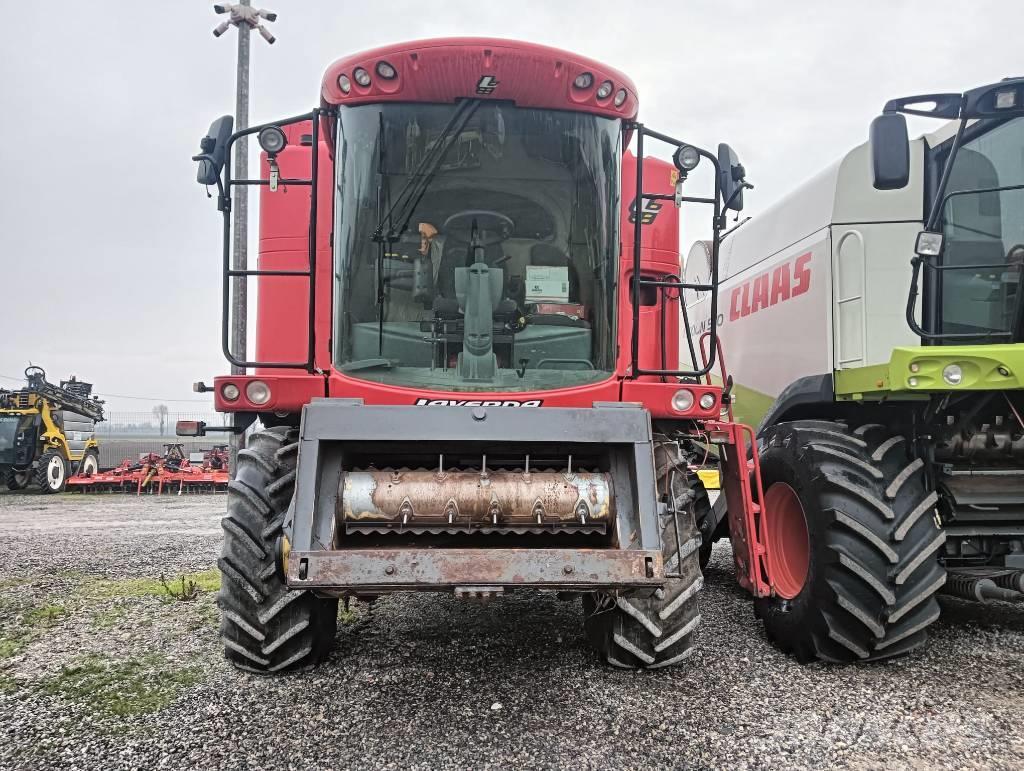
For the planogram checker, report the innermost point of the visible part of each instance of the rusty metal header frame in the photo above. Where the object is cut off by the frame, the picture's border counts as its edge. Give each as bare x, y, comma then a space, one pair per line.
331, 428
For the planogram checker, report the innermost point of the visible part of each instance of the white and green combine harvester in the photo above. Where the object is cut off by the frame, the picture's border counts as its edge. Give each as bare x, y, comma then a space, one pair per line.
875, 324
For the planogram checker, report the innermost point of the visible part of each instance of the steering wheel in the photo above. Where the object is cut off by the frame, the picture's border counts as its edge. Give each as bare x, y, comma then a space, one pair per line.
491, 227
34, 371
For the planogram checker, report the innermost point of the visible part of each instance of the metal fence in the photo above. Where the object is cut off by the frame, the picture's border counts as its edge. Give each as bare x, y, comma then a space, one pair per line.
133, 434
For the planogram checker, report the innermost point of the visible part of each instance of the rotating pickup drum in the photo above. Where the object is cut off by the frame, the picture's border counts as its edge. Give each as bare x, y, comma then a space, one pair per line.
463, 501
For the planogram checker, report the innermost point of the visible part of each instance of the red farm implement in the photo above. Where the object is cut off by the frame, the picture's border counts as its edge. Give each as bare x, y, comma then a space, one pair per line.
173, 472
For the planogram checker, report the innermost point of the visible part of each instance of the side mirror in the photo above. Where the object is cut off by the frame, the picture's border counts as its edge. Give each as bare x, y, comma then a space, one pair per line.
732, 174
890, 152
213, 149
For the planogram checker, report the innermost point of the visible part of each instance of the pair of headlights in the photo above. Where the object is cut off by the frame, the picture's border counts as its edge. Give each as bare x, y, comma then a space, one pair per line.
256, 391
682, 400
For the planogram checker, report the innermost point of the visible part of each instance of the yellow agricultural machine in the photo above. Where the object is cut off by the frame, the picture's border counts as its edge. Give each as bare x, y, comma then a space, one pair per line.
48, 432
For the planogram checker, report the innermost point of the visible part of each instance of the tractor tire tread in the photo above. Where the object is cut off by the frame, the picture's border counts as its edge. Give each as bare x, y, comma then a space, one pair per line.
638, 630
874, 595
265, 626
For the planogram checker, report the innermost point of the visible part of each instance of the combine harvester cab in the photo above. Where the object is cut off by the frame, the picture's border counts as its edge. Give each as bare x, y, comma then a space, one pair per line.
467, 355
875, 317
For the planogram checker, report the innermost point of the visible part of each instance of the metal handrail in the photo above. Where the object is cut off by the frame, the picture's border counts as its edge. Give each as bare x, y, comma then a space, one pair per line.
663, 284
229, 273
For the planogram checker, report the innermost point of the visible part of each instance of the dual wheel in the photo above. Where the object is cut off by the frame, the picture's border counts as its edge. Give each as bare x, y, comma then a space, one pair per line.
852, 540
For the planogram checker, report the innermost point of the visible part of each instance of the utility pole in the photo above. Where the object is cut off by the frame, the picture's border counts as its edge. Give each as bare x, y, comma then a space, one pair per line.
245, 18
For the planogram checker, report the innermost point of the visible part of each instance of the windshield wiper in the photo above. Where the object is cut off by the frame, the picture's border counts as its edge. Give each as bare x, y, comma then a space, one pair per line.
364, 364
408, 198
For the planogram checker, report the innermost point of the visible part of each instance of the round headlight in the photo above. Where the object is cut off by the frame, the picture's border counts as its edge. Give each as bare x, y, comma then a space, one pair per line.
953, 374
686, 158
344, 83
620, 97
230, 392
257, 392
386, 71
272, 140
362, 76
707, 401
682, 400
915, 367
912, 382
584, 80
605, 90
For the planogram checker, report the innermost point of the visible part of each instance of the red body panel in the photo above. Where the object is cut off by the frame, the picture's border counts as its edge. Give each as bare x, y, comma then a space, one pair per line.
283, 303
659, 258
448, 68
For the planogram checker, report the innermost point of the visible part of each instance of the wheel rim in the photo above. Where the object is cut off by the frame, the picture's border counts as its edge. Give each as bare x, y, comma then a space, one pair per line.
55, 472
788, 543
89, 465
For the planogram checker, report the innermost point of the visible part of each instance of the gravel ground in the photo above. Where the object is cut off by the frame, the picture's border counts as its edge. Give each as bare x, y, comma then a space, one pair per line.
101, 668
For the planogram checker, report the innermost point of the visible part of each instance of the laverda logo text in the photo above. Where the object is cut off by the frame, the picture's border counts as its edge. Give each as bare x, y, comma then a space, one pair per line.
785, 281
478, 403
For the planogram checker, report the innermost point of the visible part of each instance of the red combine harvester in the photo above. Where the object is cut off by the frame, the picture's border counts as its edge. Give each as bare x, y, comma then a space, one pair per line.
467, 354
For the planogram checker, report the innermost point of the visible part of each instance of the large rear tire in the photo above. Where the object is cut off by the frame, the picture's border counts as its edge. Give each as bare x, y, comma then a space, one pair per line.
634, 631
265, 627
853, 538
51, 474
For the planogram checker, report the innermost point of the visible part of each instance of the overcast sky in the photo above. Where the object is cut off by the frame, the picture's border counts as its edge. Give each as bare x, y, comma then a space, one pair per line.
109, 251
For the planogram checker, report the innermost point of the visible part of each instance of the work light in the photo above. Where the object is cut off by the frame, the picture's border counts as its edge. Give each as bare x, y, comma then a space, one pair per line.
362, 76
344, 83
272, 139
386, 71
584, 80
620, 97
928, 244
686, 158
1006, 100
604, 90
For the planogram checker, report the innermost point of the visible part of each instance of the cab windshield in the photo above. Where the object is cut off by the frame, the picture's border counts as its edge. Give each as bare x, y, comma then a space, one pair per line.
475, 246
983, 229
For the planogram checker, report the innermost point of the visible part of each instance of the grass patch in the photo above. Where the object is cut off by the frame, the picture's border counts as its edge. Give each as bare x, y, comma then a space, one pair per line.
44, 615
27, 625
9, 646
121, 687
108, 618
12, 583
346, 615
193, 583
